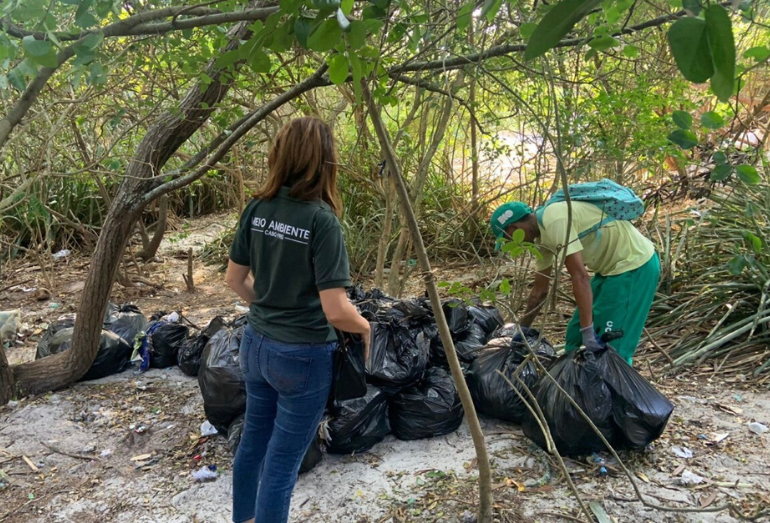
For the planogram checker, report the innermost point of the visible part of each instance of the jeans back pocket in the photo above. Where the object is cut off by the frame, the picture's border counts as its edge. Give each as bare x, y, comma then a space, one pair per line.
287, 374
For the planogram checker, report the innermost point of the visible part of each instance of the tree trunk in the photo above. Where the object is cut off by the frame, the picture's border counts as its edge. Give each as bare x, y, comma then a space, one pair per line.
163, 138
485, 475
63, 369
149, 252
387, 229
7, 383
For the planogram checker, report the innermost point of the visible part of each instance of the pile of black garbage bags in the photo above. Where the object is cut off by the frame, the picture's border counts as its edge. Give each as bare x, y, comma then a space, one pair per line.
126, 335
411, 394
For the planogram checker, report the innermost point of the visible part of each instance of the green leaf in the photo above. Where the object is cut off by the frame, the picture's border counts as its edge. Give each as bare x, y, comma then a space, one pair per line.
753, 240
748, 174
291, 6
518, 236
93, 40
682, 119
346, 6
357, 35
720, 38
603, 43
373, 12
693, 6
16, 78
712, 120
759, 54
83, 55
690, 46
338, 68
343, 21
326, 5
41, 52
259, 61
721, 173
36, 48
556, 24
358, 73
97, 75
325, 37
282, 38
631, 51
612, 15
302, 28
490, 9
83, 16
505, 286
736, 265
527, 30
720, 158
464, 16
624, 5
684, 139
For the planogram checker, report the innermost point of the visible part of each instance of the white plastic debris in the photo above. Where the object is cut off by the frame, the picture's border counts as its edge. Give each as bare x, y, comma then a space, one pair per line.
61, 254
171, 317
207, 429
689, 479
106, 453
757, 428
682, 452
241, 309
9, 324
204, 474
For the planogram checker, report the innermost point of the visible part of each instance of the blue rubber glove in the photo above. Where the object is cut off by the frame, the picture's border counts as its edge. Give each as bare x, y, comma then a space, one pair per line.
590, 340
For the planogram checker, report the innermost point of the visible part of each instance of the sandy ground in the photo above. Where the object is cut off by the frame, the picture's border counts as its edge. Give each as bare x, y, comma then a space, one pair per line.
122, 448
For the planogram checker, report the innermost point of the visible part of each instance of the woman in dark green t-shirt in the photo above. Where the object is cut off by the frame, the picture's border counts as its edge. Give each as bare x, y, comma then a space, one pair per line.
288, 261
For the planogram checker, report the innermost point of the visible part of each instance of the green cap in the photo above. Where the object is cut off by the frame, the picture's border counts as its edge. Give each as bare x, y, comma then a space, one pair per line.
505, 215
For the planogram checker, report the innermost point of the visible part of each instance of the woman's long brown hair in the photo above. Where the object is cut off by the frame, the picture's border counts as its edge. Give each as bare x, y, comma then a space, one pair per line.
304, 158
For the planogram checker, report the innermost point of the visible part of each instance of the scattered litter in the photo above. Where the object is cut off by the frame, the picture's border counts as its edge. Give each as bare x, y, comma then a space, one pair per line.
106, 453
241, 309
737, 397
141, 457
716, 439
207, 429
61, 254
208, 473
757, 428
13, 404
682, 452
31, 465
9, 324
689, 479
54, 305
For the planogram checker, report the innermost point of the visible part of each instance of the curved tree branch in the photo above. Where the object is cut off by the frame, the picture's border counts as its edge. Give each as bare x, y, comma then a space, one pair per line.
225, 141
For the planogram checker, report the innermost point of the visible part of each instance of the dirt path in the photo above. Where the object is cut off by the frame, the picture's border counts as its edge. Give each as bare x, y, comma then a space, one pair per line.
122, 449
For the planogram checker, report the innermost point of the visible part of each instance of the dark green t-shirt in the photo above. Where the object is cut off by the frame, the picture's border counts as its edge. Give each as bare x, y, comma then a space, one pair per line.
295, 249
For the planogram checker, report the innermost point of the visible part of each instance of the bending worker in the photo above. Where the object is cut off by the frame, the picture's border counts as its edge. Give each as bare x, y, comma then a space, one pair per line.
614, 304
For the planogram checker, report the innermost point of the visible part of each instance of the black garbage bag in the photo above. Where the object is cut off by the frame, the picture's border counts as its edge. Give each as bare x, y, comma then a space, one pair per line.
456, 316
189, 355
165, 339
44, 348
356, 293
639, 411
221, 380
491, 393
488, 318
313, 456
467, 345
628, 410
581, 376
430, 408
126, 321
112, 357
359, 424
396, 359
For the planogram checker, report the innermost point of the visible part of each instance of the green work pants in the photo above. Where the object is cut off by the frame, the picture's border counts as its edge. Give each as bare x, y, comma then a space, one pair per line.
621, 305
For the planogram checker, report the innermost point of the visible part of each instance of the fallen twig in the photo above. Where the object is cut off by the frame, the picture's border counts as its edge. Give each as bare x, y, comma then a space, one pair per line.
71, 455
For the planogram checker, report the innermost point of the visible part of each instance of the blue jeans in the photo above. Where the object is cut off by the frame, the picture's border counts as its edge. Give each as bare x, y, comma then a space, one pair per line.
287, 387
